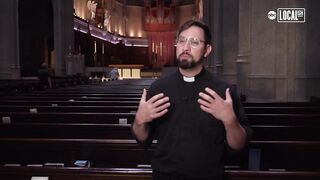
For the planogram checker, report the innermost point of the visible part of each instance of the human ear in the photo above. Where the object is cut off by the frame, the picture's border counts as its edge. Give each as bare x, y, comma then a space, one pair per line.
208, 50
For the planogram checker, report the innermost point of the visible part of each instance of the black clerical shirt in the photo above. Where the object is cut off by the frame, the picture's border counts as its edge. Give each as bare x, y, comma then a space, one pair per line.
191, 142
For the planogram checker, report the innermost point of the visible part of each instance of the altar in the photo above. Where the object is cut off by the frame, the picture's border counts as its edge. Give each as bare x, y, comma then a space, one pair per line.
128, 71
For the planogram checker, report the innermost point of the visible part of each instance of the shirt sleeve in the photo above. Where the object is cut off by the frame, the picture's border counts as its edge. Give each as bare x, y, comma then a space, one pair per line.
151, 125
240, 112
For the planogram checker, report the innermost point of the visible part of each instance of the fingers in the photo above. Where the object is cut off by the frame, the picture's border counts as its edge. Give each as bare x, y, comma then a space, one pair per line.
228, 96
144, 95
156, 97
206, 109
205, 97
213, 94
158, 105
161, 101
203, 102
159, 111
162, 107
159, 114
211, 97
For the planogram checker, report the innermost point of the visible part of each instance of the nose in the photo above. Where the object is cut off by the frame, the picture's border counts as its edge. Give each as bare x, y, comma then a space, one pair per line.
186, 47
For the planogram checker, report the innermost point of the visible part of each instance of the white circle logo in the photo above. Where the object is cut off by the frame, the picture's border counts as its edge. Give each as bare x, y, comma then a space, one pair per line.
272, 15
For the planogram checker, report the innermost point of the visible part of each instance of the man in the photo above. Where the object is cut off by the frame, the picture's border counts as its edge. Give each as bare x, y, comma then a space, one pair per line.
114, 74
44, 76
193, 115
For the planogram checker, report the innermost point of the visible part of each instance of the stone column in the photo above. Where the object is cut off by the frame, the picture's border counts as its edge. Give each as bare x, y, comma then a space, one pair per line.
244, 46
63, 33
212, 17
230, 38
217, 36
9, 44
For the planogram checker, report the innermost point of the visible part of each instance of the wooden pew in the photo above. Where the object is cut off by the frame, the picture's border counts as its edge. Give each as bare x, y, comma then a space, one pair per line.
44, 108
124, 85
272, 175
266, 155
66, 130
65, 117
250, 109
14, 86
285, 136
136, 98
287, 155
282, 110
123, 108
82, 94
70, 98
123, 131
76, 173
70, 103
286, 132
284, 119
100, 152
106, 88
65, 81
280, 104
83, 117
280, 155
118, 90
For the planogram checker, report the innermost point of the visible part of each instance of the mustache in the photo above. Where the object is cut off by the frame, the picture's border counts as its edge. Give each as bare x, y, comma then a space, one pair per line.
185, 53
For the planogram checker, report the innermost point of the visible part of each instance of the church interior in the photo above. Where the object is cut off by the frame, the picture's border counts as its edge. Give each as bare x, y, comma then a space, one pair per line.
72, 74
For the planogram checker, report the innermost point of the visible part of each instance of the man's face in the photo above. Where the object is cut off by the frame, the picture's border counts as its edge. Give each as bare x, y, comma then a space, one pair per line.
190, 48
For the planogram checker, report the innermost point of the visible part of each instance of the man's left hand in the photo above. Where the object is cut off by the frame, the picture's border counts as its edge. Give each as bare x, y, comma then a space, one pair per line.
213, 104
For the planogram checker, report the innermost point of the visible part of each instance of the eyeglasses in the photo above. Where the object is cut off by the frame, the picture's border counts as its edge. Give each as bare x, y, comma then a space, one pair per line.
193, 41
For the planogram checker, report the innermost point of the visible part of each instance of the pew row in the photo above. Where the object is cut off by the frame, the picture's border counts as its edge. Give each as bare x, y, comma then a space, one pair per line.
273, 155
89, 109
111, 118
75, 173
70, 103
123, 131
70, 98
123, 108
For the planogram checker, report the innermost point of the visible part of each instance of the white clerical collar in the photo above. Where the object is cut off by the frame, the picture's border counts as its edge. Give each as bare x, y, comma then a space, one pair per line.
188, 79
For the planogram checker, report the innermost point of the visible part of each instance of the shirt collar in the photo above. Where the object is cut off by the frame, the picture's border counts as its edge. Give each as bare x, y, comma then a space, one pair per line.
194, 78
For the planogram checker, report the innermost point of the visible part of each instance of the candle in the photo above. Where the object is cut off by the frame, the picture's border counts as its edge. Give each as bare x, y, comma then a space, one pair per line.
160, 48
102, 48
156, 48
152, 46
95, 47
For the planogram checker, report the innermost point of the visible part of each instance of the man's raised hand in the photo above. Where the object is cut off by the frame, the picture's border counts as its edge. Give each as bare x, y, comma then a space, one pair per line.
220, 108
154, 108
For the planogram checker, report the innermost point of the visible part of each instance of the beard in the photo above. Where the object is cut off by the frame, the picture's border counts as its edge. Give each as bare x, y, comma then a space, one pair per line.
184, 63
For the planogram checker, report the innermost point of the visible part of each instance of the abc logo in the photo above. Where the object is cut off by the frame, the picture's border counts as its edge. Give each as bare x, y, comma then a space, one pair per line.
272, 15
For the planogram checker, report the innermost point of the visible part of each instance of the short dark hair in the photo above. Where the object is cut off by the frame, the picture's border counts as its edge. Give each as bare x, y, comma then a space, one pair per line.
204, 27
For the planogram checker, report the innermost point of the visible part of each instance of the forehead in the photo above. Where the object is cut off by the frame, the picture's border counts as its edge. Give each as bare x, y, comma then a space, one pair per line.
193, 31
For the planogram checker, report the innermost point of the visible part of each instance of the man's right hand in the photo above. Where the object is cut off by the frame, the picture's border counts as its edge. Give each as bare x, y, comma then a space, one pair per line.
154, 108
